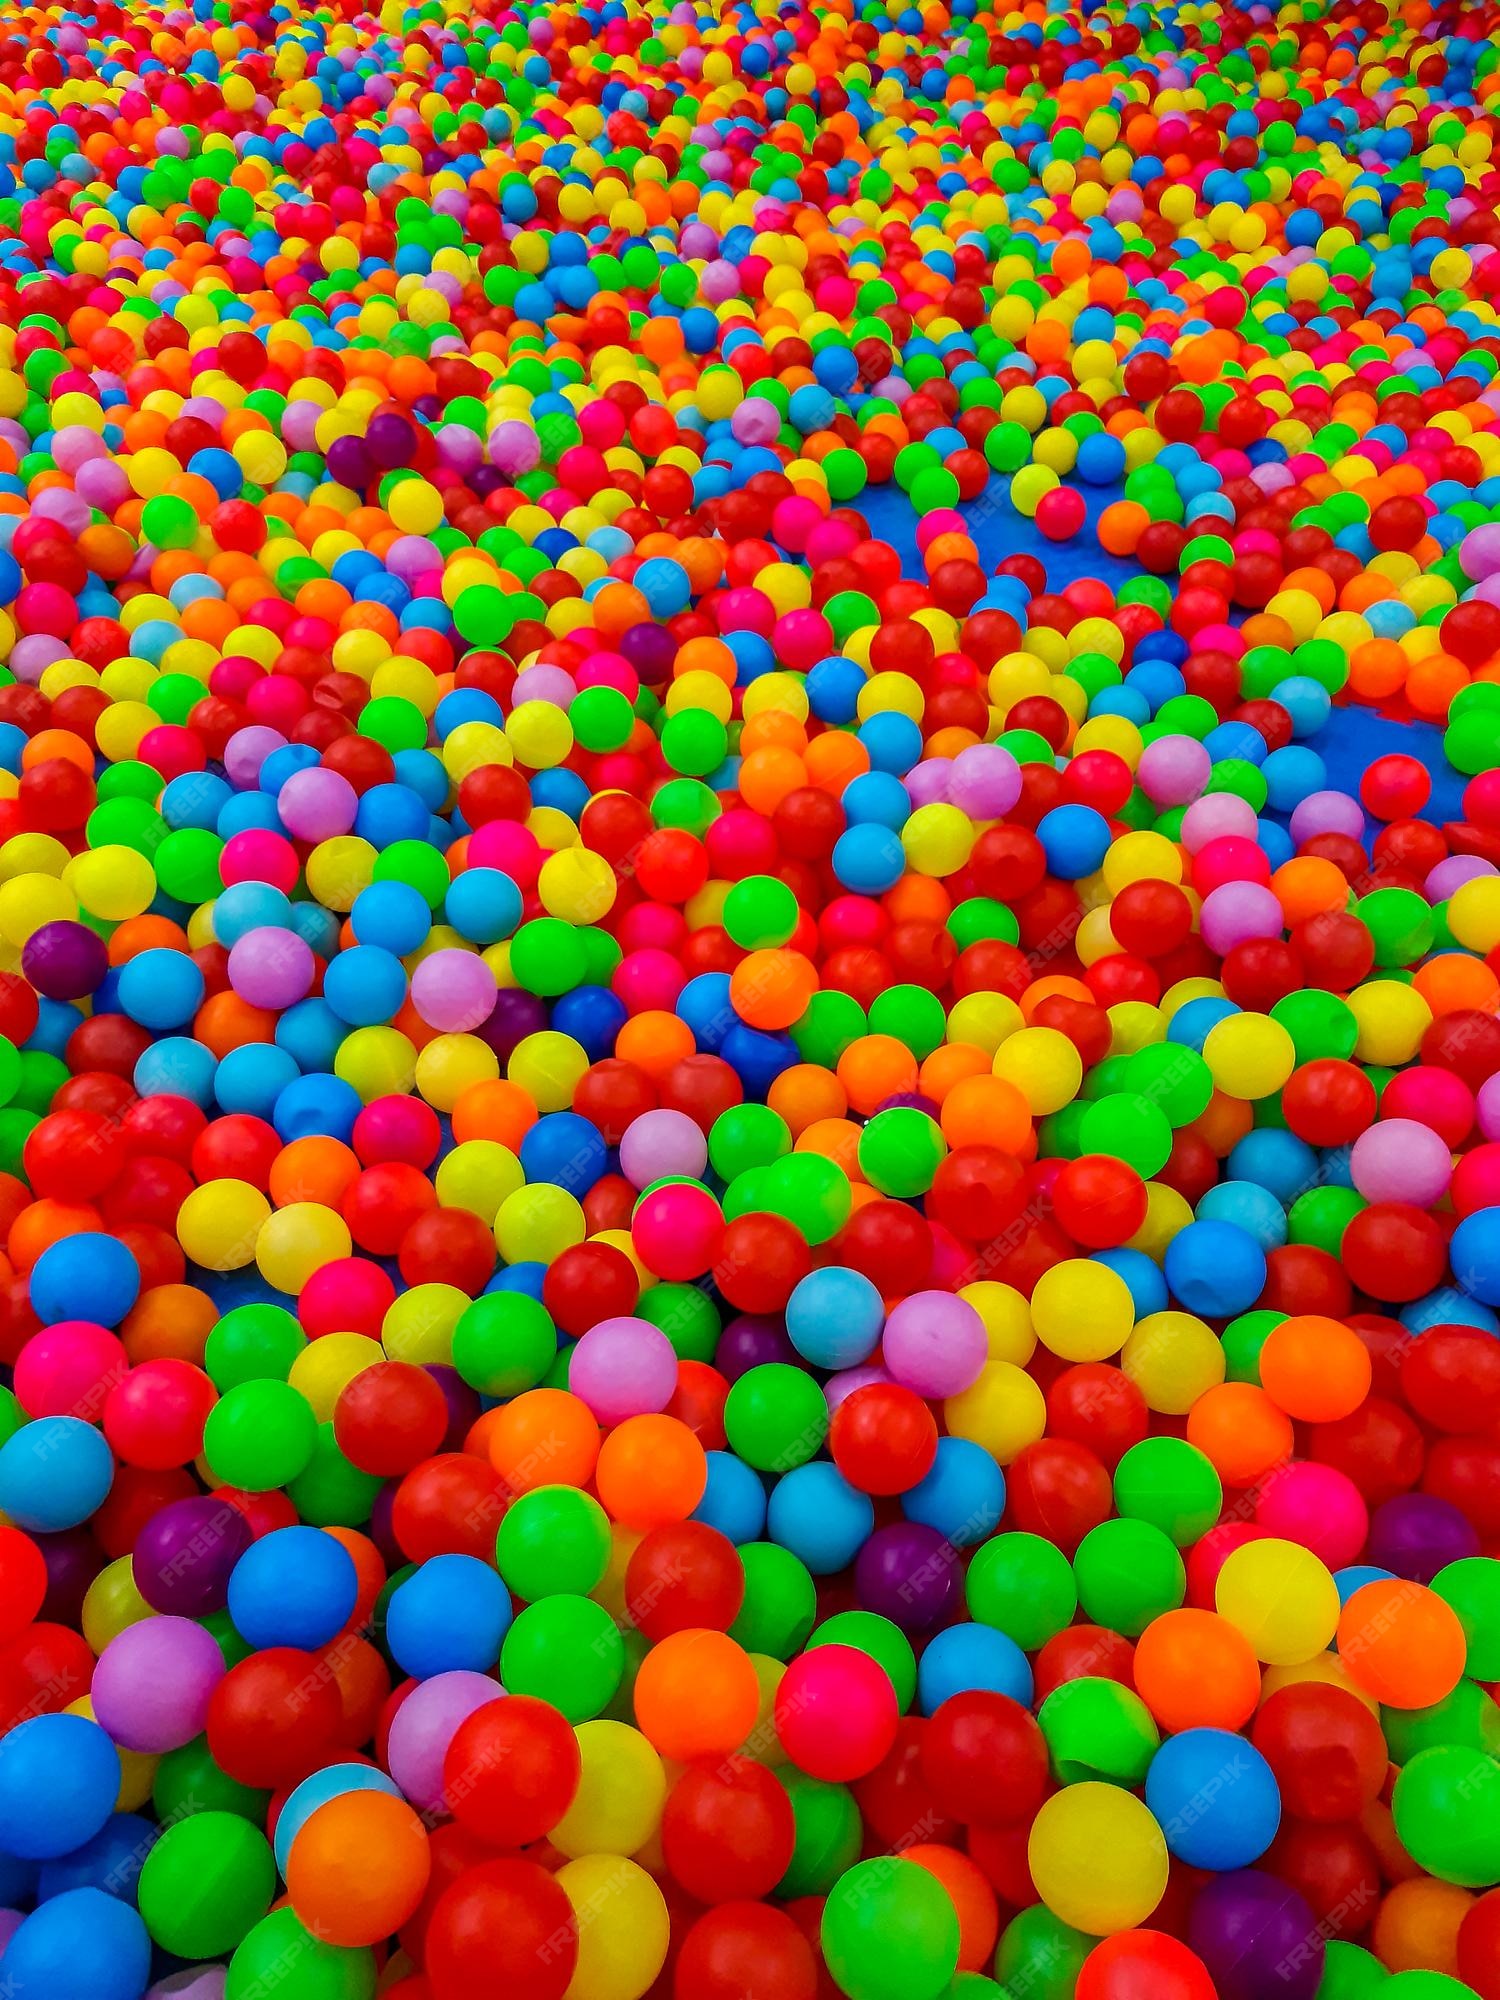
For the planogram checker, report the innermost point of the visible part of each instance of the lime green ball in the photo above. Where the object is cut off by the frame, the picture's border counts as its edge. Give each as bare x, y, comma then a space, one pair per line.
207, 1881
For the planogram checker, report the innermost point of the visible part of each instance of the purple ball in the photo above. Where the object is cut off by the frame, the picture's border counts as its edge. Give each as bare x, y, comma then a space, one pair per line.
750, 1342
184, 1555
1257, 1937
463, 1403
73, 1560
909, 1573
515, 1015
64, 960
1416, 1534
152, 1686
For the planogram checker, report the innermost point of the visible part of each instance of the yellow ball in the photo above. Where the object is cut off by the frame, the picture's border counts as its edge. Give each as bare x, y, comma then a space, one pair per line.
623, 1927
112, 1602
418, 1325
984, 1020
537, 1223
539, 734
111, 883
1281, 1598
219, 1224
1098, 1858
548, 1067
1007, 1320
415, 507
938, 839
1173, 1359
449, 1064
1043, 1065
578, 885
622, 1788
1391, 1019
1249, 1055
1082, 1311
1474, 913
377, 1062
478, 1175
1004, 1411
298, 1241
325, 1368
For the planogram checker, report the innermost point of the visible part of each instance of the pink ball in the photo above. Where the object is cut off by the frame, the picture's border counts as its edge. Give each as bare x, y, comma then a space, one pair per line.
1434, 1097
985, 781
1229, 858
152, 1685
836, 1713
659, 1143
1173, 770
623, 1367
934, 1343
1318, 1507
272, 967
317, 805
1238, 911
454, 991
649, 981
1327, 812
68, 1370
677, 1231
1217, 816
423, 1727
843, 1385
1397, 1159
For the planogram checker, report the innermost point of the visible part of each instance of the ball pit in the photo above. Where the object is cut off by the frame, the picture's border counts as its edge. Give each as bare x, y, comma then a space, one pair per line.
750, 1001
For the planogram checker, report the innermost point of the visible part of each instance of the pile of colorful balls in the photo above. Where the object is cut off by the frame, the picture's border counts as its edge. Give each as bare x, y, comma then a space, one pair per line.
749, 1166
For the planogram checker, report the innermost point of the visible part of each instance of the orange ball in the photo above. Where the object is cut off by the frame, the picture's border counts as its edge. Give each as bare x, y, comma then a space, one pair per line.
1315, 1369
988, 1111
804, 1094
1240, 1431
494, 1109
971, 1895
1416, 1926
170, 1322
318, 1168
874, 1068
655, 1042
358, 1868
651, 1470
771, 989
696, 1695
1402, 1643
1194, 1670
544, 1437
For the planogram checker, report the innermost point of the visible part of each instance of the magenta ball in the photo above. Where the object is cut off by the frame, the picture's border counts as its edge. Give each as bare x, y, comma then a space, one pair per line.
453, 991
935, 1343
271, 967
1319, 1508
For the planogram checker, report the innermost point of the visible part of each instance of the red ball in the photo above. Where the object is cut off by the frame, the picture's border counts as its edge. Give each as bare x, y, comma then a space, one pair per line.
761, 1261
1059, 1490
1451, 1378
746, 1951
389, 1418
505, 1926
1394, 1252
511, 1770
1096, 1404
728, 1831
684, 1577
1100, 1201
1326, 1749
883, 1438
986, 1759
272, 1717
1143, 1965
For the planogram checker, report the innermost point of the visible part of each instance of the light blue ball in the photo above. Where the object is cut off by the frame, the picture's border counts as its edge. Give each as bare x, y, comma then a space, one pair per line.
834, 1317
972, 1656
820, 1517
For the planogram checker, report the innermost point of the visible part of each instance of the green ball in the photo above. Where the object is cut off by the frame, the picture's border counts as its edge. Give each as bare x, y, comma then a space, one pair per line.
1127, 1126
1040, 1956
890, 1931
694, 743
553, 1541
1098, 1732
252, 1343
188, 1781
1399, 922
1351, 1973
547, 957
280, 1956
828, 1834
207, 1881
833, 1022
1170, 1483
912, 1016
885, 1643
393, 722
1129, 1573
1321, 1216
259, 1435
1320, 1024
780, 1603
602, 718
775, 1417
1465, 1718
746, 1136
759, 911
1446, 1806
565, 1650
329, 1491
1176, 1080
809, 1190
1023, 1586
504, 1343
1471, 1587
900, 1151
687, 1316
1243, 1340
1419, 1985
187, 865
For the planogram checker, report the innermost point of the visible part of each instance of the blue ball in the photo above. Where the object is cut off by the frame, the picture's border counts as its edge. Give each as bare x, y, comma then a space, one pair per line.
392, 916
89, 1276
83, 1945
111, 1861
1147, 1286
820, 1517
161, 989
1475, 1255
962, 1494
1215, 1269
1075, 840
484, 904
834, 1317
175, 1067
734, 1500
449, 1615
293, 1587
54, 1473
869, 859
972, 1656
1356, 1576
1253, 1209
1276, 1160
565, 1150
704, 1005
59, 1779
252, 1077
317, 1107
1215, 1799
365, 985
